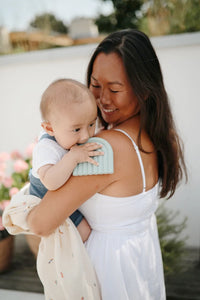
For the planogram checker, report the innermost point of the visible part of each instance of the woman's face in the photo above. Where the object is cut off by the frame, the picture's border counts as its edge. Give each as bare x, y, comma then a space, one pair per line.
112, 90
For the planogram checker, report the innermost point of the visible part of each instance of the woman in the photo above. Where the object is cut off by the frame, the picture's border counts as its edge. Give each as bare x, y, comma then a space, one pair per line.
125, 77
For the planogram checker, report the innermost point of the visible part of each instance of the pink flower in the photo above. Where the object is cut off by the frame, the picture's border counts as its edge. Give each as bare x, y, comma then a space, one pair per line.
4, 204
7, 181
2, 175
15, 154
1, 225
2, 166
29, 149
20, 165
2, 171
4, 156
13, 191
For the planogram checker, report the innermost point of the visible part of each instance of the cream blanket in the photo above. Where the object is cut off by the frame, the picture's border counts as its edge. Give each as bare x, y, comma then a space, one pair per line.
63, 264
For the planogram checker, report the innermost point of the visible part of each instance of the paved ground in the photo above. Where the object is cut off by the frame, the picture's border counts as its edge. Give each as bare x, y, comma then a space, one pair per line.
19, 295
23, 277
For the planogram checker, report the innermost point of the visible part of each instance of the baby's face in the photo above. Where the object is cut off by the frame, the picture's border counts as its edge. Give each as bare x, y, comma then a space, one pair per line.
76, 124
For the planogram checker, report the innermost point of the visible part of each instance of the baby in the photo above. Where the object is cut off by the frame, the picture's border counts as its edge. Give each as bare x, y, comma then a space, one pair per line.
69, 114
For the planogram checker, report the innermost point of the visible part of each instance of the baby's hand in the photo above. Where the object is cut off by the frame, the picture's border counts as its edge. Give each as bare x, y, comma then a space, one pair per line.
84, 153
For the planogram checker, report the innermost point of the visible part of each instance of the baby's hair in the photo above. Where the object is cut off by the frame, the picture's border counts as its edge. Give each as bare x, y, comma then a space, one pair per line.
61, 92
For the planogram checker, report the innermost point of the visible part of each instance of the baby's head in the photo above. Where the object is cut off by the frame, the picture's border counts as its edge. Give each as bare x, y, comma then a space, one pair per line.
69, 112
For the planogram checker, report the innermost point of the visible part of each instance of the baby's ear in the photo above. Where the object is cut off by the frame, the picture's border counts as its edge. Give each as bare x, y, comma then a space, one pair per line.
48, 128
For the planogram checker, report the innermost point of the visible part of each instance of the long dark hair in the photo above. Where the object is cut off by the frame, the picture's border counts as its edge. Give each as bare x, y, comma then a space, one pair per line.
144, 73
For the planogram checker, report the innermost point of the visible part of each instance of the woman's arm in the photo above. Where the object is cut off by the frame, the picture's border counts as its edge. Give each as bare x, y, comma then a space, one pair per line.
57, 205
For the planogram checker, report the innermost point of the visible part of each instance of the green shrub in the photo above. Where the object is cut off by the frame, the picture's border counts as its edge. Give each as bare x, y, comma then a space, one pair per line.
172, 245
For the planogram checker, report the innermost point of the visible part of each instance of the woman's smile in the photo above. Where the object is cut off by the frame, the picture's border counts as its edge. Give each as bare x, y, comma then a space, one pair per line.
106, 110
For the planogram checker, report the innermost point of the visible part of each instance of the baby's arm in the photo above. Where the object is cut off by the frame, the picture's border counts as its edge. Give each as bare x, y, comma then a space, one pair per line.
54, 176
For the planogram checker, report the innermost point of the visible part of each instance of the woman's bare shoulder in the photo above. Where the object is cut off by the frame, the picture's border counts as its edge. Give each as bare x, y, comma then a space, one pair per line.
111, 136
121, 146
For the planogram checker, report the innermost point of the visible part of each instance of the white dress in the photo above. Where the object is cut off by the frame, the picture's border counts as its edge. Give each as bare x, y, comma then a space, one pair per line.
124, 245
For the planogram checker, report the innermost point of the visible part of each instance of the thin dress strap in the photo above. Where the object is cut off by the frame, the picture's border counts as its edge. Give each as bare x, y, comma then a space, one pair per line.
139, 157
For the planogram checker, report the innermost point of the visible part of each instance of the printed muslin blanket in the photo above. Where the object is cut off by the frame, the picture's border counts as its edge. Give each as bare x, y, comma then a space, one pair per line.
63, 264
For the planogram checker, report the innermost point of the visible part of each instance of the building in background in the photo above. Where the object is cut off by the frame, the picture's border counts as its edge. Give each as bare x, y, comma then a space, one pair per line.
5, 45
81, 28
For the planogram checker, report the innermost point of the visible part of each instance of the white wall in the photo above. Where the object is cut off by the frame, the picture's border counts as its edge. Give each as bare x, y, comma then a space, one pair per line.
23, 78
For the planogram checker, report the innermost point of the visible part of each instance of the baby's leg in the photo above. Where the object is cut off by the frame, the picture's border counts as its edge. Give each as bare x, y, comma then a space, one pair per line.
84, 229
81, 224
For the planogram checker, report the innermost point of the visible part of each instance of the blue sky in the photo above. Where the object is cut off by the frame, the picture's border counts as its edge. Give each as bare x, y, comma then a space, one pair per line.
17, 14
